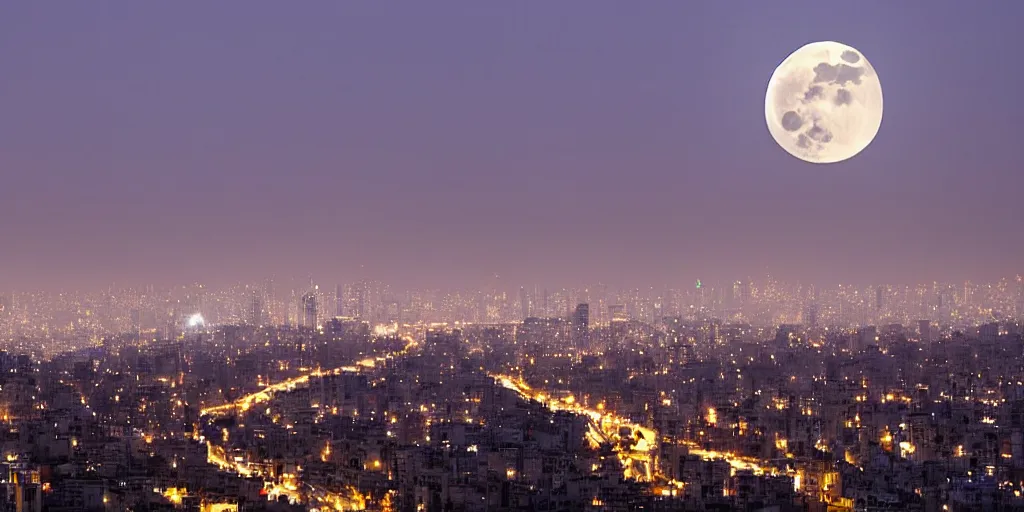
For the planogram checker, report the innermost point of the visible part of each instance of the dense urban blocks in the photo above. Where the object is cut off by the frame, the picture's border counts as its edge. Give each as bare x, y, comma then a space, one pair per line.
754, 390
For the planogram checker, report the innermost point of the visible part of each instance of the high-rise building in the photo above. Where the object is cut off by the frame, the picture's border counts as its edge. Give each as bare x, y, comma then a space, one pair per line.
866, 337
581, 326
135, 317
292, 314
274, 313
524, 303
924, 328
256, 310
1020, 296
308, 310
362, 293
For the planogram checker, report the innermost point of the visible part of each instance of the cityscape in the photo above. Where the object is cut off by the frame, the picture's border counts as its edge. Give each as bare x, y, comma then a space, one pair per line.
739, 396
465, 256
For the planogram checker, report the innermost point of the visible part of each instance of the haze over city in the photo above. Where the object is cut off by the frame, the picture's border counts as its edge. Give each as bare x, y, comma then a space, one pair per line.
438, 144
454, 256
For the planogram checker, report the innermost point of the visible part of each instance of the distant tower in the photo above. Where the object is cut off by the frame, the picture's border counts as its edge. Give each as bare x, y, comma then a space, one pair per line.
256, 310
878, 298
524, 303
581, 326
1020, 297
362, 290
291, 313
812, 315
308, 310
270, 306
925, 329
136, 318
339, 298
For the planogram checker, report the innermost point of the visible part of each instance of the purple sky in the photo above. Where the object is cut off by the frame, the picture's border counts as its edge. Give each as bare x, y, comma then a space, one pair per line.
436, 143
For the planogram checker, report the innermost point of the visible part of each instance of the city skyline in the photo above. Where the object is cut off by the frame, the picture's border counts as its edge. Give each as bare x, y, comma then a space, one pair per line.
438, 145
455, 256
86, 317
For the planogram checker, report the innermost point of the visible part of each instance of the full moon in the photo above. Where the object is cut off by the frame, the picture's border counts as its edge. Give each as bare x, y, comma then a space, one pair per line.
824, 103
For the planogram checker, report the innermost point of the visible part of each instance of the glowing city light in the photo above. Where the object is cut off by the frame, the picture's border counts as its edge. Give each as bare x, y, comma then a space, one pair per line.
196, 320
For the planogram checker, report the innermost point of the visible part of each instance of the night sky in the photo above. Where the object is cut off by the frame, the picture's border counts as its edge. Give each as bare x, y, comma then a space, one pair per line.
438, 143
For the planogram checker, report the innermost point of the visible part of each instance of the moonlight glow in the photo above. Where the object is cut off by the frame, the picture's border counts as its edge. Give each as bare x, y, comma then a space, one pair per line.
824, 103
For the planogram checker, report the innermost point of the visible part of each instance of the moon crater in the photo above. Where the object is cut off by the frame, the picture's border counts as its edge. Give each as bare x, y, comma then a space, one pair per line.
824, 103
791, 121
843, 97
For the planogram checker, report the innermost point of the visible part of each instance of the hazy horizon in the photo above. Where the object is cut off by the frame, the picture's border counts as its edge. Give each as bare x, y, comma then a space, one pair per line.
283, 286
